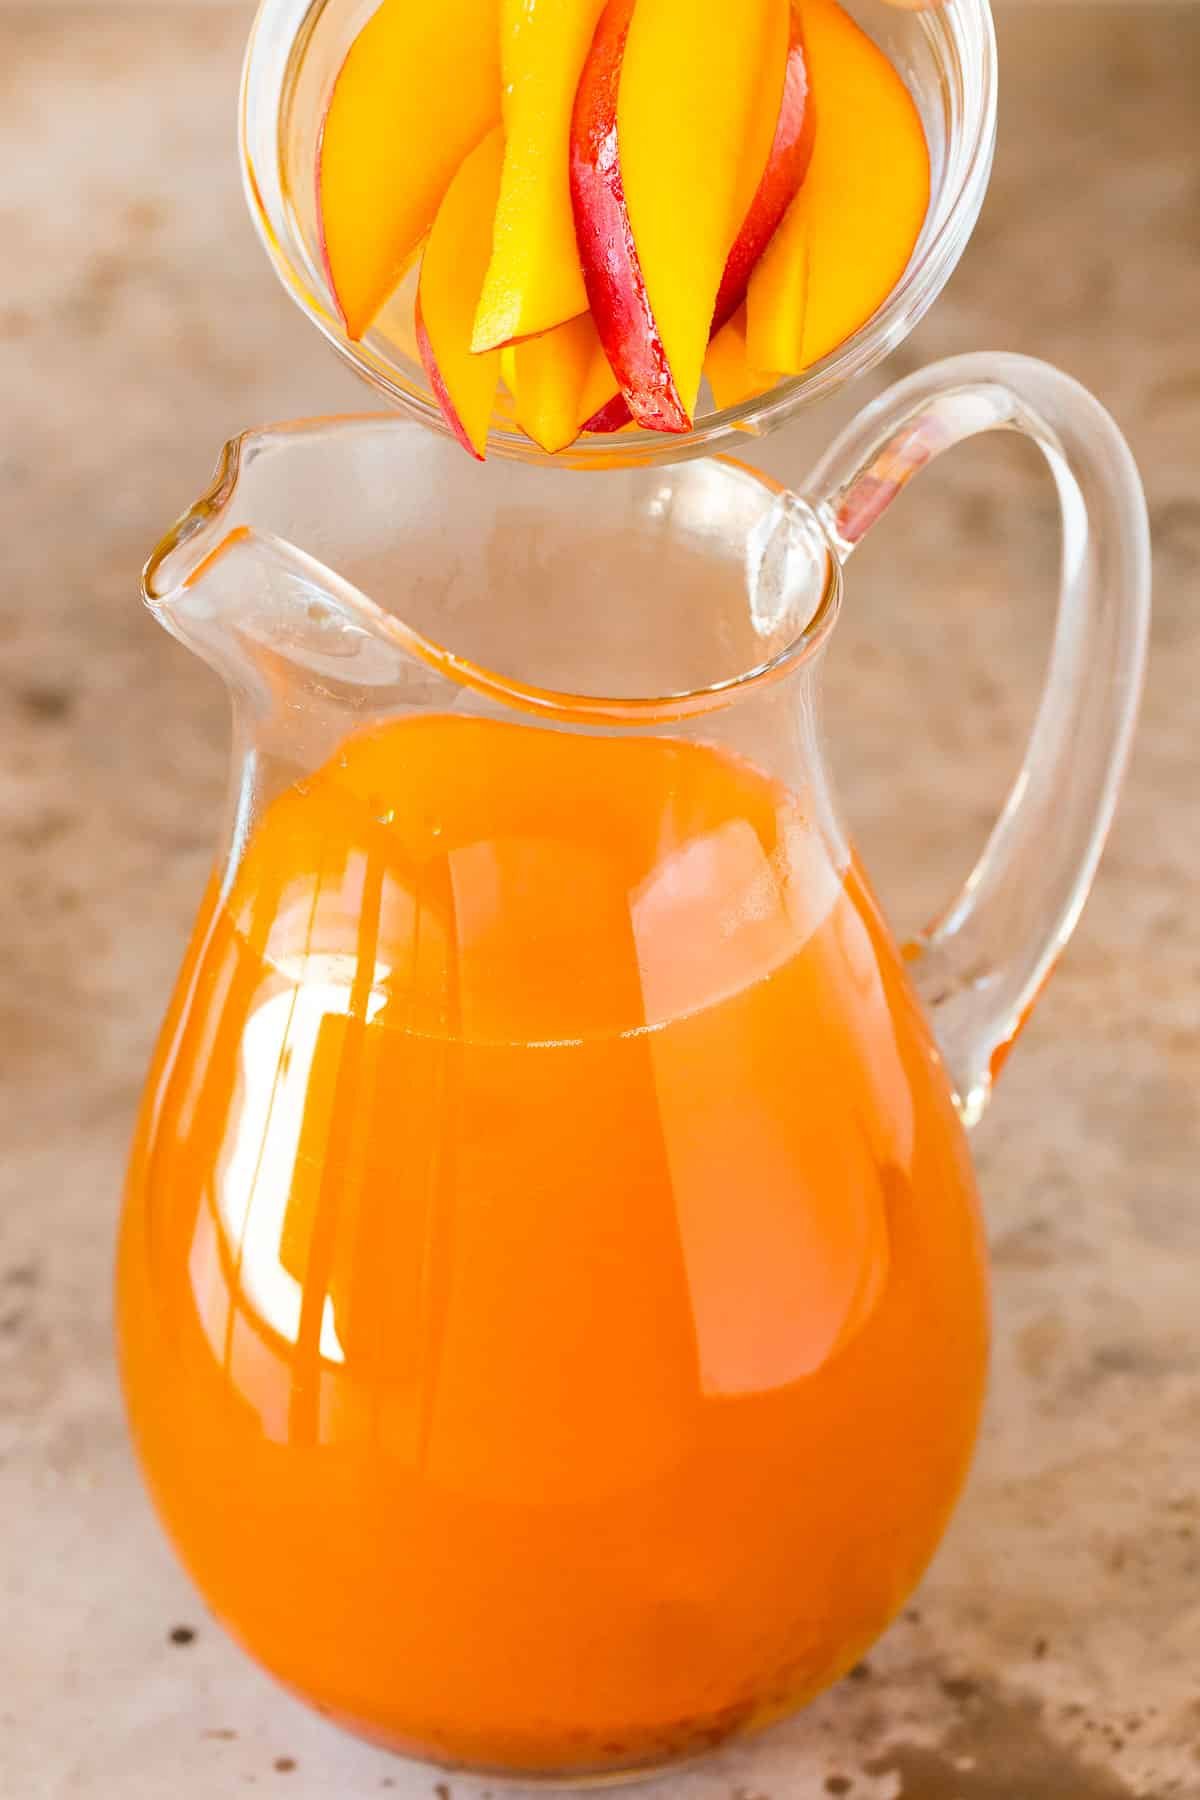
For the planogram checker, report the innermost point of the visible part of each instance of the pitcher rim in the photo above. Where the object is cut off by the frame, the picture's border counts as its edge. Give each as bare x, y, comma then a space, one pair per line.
549, 704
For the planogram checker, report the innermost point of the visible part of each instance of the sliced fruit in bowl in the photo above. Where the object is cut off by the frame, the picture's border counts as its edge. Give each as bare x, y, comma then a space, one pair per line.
625, 197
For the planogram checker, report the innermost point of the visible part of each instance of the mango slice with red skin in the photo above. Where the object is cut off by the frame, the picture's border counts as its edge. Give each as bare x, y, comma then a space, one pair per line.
669, 118
452, 270
852, 228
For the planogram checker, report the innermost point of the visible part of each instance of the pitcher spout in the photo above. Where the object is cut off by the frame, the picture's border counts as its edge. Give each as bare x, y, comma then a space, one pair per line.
282, 628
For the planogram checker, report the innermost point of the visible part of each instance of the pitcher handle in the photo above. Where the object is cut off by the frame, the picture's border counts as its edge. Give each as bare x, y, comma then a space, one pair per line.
981, 966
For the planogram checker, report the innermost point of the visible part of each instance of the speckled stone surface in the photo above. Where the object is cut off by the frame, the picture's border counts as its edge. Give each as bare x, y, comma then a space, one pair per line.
1054, 1652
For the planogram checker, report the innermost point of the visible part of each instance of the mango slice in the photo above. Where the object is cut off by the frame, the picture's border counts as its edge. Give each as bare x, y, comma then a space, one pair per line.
611, 184
612, 272
550, 381
534, 281
694, 138
727, 366
452, 271
601, 394
851, 230
669, 140
777, 294
419, 88
552, 365
614, 415
764, 206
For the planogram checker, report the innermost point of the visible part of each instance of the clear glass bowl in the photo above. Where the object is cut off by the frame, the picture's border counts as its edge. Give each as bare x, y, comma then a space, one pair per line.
946, 53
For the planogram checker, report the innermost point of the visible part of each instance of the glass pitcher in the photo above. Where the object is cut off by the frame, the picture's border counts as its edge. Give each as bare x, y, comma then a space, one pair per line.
552, 1296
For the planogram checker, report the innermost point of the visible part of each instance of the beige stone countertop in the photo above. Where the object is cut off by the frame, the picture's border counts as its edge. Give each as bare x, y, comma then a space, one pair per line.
1054, 1650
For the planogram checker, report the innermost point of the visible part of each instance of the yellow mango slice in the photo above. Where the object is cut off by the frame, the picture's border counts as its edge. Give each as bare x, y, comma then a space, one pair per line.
851, 230
534, 281
558, 382
693, 136
601, 387
419, 88
729, 372
552, 375
755, 149
777, 295
452, 272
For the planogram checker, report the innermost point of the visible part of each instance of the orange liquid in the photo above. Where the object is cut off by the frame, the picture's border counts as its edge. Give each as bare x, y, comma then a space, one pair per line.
552, 1302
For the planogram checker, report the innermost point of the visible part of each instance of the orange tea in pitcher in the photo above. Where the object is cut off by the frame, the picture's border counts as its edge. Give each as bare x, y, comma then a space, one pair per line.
552, 1297
551, 1289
